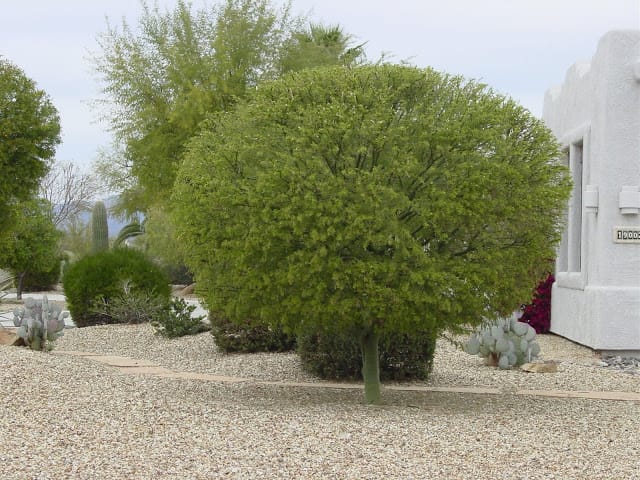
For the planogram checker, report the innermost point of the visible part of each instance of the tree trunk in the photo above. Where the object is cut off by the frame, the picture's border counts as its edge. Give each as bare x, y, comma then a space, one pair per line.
371, 368
19, 286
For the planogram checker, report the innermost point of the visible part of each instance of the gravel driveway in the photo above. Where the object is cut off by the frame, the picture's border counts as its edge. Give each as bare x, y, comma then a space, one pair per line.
68, 417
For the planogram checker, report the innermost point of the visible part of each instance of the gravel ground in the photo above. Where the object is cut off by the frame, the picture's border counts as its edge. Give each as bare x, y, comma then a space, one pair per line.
72, 418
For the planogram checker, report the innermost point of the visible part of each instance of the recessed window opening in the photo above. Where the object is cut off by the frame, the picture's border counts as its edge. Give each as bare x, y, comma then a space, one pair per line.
563, 252
575, 209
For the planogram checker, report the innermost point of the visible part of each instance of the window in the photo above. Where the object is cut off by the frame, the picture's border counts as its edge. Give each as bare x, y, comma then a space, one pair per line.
570, 253
575, 209
563, 252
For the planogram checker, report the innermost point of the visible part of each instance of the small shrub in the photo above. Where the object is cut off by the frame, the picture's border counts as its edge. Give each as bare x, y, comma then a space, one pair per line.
338, 356
131, 307
98, 278
177, 320
248, 337
538, 312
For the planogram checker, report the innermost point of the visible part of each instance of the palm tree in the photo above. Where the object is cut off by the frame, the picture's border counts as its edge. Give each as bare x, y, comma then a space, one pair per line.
321, 45
130, 230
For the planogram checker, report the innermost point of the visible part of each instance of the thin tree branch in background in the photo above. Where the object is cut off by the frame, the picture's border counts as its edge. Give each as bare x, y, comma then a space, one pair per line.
69, 191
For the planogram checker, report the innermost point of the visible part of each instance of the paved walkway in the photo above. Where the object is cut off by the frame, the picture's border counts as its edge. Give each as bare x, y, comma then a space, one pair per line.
134, 366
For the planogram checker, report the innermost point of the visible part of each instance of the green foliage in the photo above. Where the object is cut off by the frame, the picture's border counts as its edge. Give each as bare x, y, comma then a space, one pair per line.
76, 239
131, 307
29, 135
130, 230
177, 320
177, 274
248, 336
39, 323
320, 46
31, 245
96, 279
160, 237
40, 281
338, 356
164, 77
378, 199
505, 343
161, 243
99, 228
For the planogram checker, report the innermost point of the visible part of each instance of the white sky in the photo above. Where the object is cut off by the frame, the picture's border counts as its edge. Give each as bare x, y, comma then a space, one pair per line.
519, 47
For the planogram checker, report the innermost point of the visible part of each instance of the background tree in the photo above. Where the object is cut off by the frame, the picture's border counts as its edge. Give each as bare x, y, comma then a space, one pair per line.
69, 191
32, 244
29, 134
76, 239
373, 199
161, 80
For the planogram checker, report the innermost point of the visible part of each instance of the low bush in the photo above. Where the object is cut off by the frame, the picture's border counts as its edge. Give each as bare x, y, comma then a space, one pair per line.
335, 356
177, 320
91, 283
248, 337
131, 307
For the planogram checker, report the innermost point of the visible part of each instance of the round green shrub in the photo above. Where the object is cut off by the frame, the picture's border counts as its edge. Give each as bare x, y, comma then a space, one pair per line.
337, 356
101, 276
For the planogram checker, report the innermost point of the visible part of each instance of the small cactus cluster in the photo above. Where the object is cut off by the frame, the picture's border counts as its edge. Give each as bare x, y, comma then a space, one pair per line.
39, 323
505, 343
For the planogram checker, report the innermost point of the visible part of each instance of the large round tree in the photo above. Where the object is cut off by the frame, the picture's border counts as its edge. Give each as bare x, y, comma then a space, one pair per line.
385, 198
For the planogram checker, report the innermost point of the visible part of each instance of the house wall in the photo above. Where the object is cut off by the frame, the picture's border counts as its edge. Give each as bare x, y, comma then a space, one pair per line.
595, 115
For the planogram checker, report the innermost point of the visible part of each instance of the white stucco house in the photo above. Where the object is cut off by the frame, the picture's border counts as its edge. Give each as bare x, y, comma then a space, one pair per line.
595, 114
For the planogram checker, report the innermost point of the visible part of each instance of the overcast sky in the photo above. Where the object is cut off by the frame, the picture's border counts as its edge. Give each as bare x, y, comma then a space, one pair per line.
519, 47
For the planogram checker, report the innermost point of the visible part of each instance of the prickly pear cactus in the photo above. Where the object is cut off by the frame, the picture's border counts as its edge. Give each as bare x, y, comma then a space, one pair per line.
505, 343
39, 323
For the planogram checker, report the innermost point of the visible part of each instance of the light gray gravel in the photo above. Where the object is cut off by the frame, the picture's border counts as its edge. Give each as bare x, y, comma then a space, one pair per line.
72, 418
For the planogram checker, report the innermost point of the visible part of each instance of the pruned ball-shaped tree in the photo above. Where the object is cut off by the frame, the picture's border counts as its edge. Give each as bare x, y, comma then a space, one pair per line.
373, 199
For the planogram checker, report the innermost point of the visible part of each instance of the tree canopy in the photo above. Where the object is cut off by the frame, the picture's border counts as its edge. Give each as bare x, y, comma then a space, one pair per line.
29, 135
384, 198
161, 80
